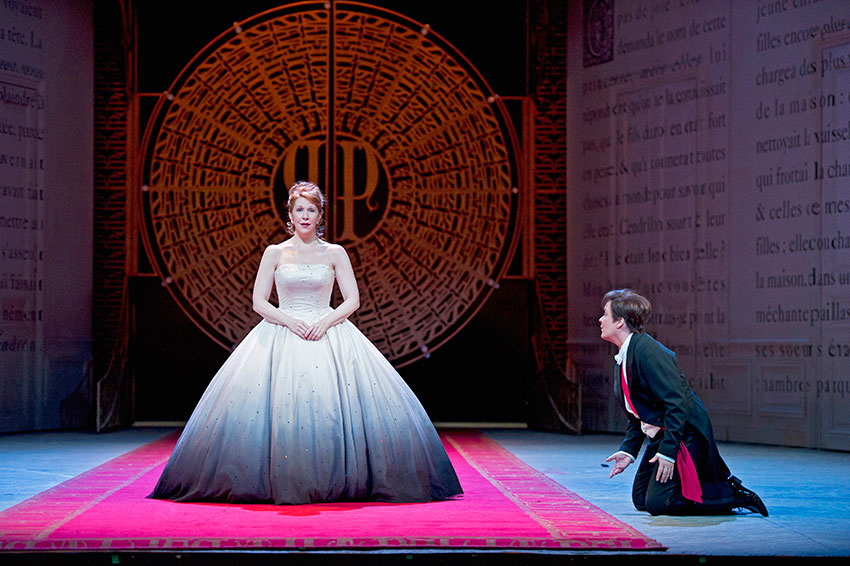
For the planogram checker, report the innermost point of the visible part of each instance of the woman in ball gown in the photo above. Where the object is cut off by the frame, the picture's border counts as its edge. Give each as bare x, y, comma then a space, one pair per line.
306, 409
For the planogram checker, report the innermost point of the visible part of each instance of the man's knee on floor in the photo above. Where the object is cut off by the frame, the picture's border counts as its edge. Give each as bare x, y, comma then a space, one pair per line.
655, 507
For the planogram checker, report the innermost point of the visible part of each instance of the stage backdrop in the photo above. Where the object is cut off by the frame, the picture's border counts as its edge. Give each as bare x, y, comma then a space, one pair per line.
46, 69
709, 168
414, 136
422, 184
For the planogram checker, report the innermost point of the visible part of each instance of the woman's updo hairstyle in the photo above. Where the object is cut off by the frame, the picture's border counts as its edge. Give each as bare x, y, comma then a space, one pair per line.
311, 192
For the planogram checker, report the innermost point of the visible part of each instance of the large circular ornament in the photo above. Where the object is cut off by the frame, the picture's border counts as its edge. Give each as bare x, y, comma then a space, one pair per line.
422, 180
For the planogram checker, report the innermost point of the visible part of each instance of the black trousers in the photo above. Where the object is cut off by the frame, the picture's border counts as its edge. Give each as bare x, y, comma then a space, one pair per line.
656, 498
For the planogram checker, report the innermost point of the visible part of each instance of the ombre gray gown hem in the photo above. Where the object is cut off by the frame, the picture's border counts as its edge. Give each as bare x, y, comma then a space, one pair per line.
291, 421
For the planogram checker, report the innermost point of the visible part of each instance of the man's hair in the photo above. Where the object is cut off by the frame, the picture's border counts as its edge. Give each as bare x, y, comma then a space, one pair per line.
629, 306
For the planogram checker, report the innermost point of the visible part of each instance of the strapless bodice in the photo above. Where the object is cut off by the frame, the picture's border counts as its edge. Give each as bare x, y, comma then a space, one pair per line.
304, 289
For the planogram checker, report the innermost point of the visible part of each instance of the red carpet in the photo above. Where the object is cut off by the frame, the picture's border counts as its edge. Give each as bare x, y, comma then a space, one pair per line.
506, 504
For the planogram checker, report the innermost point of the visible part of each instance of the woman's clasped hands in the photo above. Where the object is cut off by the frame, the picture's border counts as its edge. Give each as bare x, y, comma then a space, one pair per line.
307, 331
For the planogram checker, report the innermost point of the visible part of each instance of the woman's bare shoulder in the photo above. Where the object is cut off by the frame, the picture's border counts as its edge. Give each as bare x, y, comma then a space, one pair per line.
335, 250
337, 254
280, 246
274, 252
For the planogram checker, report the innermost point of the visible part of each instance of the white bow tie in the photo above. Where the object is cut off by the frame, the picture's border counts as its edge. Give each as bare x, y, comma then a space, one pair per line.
619, 359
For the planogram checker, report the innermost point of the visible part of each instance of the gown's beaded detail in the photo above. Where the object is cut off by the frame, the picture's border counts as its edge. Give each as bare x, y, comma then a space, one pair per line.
286, 420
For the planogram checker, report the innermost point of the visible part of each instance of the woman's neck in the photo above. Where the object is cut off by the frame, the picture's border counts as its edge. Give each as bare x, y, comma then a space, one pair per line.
306, 241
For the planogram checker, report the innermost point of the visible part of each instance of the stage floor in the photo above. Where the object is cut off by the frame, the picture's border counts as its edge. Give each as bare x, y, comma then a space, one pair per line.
806, 491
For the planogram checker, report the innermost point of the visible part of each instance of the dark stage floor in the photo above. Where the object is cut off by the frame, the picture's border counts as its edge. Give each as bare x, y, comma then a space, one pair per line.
806, 491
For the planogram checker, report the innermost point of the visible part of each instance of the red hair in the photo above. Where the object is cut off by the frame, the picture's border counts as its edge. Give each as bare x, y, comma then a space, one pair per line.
311, 192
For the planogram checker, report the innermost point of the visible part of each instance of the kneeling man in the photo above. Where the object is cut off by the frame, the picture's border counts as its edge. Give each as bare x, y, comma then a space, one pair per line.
681, 472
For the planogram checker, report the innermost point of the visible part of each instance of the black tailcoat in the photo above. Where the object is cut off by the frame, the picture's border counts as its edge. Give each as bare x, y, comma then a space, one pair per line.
662, 397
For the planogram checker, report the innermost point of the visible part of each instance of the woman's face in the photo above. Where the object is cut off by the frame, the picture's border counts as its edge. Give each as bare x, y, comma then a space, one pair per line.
305, 216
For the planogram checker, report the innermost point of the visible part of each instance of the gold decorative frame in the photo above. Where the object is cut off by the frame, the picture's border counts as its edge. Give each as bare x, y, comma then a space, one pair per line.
423, 180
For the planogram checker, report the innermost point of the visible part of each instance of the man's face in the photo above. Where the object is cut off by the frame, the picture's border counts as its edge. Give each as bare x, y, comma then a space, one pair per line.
607, 325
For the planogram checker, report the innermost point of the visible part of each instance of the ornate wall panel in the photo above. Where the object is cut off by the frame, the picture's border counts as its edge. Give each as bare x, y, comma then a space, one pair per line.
111, 387
550, 170
556, 397
422, 179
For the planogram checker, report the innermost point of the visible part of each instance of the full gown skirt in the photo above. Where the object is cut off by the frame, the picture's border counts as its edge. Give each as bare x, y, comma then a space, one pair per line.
291, 421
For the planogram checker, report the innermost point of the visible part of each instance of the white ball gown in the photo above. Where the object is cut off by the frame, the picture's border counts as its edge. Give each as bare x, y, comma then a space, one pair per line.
292, 421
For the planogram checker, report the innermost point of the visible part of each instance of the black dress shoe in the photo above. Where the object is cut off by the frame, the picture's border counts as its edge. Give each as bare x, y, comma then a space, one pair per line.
746, 498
